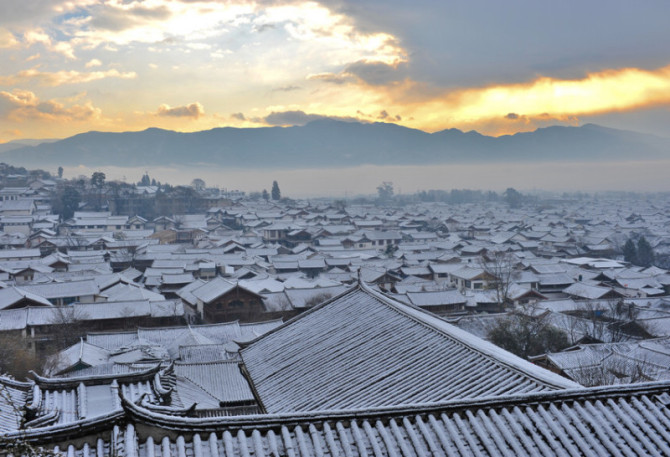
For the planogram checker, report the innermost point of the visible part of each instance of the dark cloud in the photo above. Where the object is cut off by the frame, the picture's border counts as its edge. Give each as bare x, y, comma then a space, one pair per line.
194, 110
286, 88
377, 73
31, 12
238, 116
332, 78
463, 43
263, 27
382, 115
301, 118
512, 116
119, 19
372, 73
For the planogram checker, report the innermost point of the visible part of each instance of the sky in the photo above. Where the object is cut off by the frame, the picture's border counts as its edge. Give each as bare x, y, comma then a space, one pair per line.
71, 66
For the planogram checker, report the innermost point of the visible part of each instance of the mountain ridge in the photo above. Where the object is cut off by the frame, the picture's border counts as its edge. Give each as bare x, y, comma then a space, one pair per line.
333, 143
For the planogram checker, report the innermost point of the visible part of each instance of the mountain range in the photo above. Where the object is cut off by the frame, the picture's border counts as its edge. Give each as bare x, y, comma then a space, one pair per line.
332, 143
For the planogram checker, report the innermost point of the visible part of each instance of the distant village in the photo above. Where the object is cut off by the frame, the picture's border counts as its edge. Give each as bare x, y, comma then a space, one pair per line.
130, 309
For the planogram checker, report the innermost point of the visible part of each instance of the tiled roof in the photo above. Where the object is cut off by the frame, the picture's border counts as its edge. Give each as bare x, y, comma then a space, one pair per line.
362, 349
622, 421
221, 379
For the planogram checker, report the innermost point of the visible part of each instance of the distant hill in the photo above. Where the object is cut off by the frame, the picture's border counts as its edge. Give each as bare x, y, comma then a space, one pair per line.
331, 143
16, 144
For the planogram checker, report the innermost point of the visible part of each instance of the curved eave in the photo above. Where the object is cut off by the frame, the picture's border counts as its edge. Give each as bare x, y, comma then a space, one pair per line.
71, 430
143, 415
69, 383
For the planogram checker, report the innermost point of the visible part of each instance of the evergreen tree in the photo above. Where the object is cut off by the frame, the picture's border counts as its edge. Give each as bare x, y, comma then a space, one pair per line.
385, 191
276, 193
513, 197
645, 253
70, 202
630, 252
98, 179
265, 194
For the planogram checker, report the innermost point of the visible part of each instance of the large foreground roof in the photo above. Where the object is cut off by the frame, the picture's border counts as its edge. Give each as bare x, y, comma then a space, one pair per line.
365, 350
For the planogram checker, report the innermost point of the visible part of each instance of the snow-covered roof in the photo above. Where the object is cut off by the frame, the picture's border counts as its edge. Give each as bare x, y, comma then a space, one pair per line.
436, 298
401, 355
616, 420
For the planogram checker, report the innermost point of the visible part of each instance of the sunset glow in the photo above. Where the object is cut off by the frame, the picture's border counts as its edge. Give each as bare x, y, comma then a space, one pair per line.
79, 65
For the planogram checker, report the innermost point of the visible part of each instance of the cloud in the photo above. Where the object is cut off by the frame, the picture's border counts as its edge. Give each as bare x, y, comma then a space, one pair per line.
33, 11
333, 78
238, 116
22, 105
39, 36
366, 72
93, 63
499, 107
16, 133
62, 77
610, 90
194, 110
119, 17
377, 73
7, 39
385, 116
298, 117
310, 29
288, 88
36, 36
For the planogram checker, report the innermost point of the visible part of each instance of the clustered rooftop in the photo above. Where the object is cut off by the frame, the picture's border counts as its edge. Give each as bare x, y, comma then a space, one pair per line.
303, 328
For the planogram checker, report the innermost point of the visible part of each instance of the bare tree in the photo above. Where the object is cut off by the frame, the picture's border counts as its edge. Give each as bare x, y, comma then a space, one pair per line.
528, 331
609, 321
128, 315
179, 221
317, 299
500, 267
67, 325
76, 241
16, 357
614, 370
124, 258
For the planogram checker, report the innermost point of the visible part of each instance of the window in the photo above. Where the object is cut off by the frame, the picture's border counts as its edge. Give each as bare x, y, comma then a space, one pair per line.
236, 304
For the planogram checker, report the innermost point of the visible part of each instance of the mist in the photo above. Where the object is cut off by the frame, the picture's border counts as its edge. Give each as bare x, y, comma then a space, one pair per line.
643, 176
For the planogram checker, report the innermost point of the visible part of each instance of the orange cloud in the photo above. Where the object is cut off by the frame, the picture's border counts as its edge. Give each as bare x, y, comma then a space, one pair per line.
23, 105
59, 78
544, 98
7, 39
